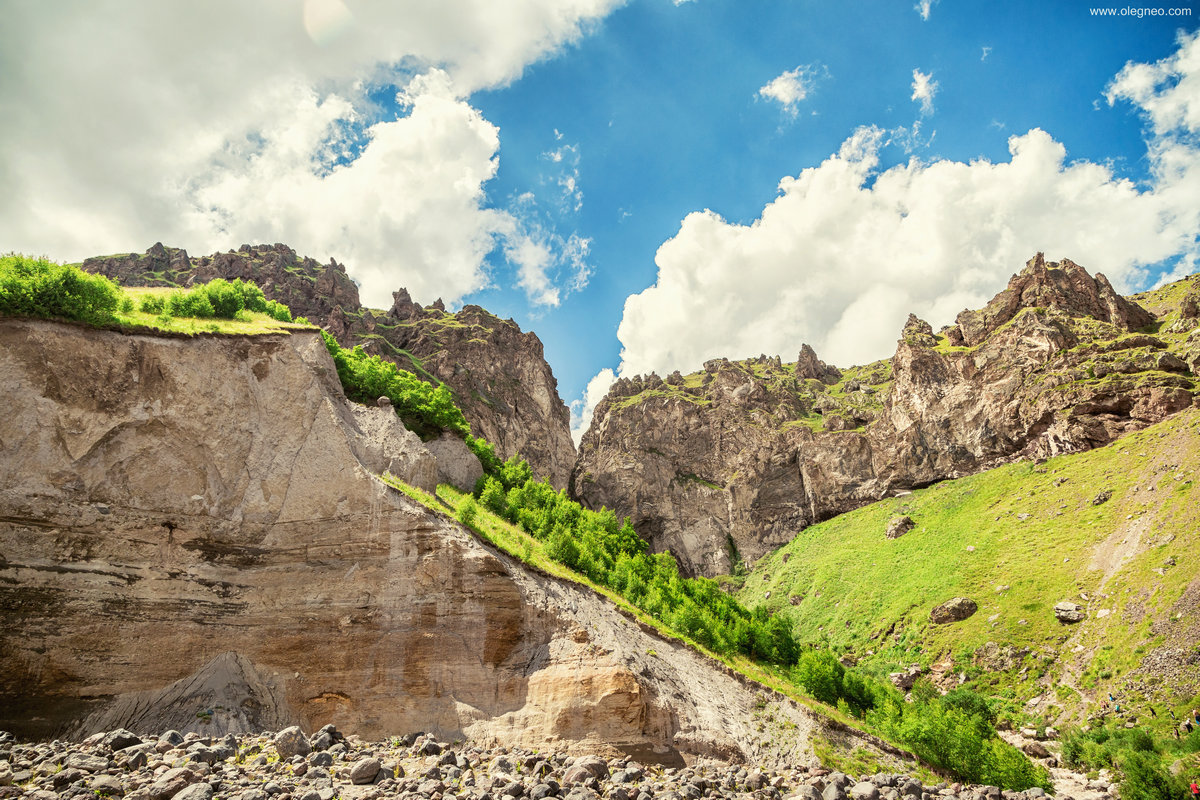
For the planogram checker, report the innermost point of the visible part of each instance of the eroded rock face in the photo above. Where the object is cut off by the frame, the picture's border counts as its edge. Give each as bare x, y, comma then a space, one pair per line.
723, 465
186, 526
498, 373
742, 456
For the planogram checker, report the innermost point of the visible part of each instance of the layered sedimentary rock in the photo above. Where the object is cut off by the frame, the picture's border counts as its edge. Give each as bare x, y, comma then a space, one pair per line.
192, 522
734, 461
498, 373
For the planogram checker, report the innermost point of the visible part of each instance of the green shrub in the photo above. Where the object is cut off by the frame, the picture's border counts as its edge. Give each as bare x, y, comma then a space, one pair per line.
154, 304
225, 298
193, 303
467, 511
425, 410
1143, 777
37, 287
278, 311
252, 296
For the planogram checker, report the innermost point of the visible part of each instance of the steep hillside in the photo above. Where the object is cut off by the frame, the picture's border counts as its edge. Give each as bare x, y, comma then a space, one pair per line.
736, 460
192, 535
498, 374
1114, 532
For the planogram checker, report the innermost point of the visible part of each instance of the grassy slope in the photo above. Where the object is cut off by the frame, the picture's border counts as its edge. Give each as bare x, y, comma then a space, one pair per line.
870, 596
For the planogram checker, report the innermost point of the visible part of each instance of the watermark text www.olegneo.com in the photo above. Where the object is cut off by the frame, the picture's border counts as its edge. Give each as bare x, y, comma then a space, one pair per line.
1140, 11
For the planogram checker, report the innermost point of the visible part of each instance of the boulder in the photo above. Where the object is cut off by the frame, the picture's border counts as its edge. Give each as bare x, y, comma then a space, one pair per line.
905, 680
898, 526
1035, 750
1068, 612
365, 771
456, 464
586, 767
386, 445
291, 742
954, 610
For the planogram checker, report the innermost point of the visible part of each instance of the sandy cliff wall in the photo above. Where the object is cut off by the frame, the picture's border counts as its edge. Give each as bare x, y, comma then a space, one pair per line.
165, 502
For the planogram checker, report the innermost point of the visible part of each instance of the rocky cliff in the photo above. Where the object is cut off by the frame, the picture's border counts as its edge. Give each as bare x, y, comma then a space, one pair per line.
733, 461
498, 373
191, 535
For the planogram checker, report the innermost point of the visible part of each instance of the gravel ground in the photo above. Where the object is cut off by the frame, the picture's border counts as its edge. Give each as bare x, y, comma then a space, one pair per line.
290, 765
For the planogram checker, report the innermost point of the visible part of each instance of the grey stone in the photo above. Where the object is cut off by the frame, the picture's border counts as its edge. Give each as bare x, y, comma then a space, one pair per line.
898, 526
1069, 613
107, 785
953, 610
585, 766
171, 783
833, 792
456, 464
864, 791
197, 791
86, 763
806, 792
365, 771
291, 742
120, 739
1036, 750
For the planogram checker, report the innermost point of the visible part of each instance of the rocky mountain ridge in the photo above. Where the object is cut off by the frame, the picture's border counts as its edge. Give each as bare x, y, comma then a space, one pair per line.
498, 373
732, 462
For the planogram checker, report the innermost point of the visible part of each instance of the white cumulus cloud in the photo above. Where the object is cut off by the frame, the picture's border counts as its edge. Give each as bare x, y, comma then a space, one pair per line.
924, 87
791, 87
924, 8
583, 408
169, 122
846, 250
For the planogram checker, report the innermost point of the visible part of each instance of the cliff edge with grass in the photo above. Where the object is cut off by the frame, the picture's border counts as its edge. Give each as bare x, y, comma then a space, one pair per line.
497, 372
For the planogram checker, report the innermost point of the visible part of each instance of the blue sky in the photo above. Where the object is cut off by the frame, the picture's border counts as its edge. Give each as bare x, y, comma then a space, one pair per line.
645, 184
662, 103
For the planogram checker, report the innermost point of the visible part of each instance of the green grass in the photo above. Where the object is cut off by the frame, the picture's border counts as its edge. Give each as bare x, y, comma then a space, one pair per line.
871, 596
1164, 301
248, 323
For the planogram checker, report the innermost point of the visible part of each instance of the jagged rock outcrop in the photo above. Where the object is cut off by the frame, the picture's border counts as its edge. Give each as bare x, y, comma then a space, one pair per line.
166, 500
711, 468
735, 460
1063, 286
498, 373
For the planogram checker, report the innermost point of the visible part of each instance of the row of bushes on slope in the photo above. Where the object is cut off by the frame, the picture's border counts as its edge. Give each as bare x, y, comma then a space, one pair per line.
610, 553
38, 287
425, 409
1135, 753
955, 732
